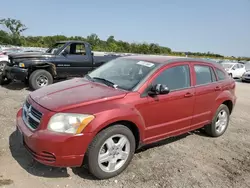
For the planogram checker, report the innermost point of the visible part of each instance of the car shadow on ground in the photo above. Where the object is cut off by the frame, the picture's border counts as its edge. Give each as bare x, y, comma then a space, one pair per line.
199, 132
15, 86
83, 172
24, 159
162, 142
18, 85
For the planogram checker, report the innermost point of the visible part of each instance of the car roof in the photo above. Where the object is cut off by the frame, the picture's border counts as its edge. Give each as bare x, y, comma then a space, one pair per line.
169, 59
73, 41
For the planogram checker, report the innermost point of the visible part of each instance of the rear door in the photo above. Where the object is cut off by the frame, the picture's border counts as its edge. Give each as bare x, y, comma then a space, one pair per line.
206, 91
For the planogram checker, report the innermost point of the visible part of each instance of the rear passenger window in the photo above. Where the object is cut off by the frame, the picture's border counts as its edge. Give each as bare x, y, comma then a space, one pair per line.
221, 75
175, 78
204, 74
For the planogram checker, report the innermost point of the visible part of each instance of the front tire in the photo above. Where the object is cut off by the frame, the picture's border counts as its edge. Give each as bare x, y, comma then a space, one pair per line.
219, 123
110, 152
40, 78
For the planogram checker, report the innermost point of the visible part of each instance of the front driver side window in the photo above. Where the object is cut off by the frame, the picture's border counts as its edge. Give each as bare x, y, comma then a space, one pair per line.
175, 78
75, 49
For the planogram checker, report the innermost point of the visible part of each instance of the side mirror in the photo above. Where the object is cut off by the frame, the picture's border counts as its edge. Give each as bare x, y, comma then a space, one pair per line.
159, 89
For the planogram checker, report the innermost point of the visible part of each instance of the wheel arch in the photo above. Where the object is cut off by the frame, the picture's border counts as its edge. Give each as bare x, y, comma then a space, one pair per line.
50, 67
229, 104
129, 124
224, 98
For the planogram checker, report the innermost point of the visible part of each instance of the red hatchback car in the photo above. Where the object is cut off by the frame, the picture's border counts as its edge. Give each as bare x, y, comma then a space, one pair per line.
102, 118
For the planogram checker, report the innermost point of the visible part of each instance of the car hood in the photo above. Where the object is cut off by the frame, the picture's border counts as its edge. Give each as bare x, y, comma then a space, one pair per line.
30, 55
74, 93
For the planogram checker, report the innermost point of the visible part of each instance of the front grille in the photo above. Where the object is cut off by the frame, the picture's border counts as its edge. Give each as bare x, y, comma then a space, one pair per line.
31, 116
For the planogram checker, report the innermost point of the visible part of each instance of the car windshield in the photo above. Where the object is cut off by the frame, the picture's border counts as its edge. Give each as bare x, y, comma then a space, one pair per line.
123, 73
227, 65
55, 48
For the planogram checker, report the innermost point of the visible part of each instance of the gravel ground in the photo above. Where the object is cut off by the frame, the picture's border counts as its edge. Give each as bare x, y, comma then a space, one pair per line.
191, 160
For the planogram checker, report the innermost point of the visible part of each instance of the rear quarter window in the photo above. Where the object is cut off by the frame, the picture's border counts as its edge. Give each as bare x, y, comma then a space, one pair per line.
220, 74
204, 74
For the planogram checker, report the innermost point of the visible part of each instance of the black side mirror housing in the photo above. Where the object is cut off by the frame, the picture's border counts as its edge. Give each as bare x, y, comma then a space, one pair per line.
159, 89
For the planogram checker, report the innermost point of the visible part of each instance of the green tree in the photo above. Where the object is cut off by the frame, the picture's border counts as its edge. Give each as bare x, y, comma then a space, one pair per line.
5, 38
16, 28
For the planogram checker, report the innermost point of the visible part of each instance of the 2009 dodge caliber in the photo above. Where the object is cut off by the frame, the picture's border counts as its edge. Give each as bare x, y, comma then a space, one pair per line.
102, 118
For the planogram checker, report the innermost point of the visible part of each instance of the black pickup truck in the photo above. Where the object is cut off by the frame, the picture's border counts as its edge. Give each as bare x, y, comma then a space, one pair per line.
64, 59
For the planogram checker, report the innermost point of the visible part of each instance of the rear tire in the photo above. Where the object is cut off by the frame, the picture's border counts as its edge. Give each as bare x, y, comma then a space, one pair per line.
40, 78
117, 145
219, 123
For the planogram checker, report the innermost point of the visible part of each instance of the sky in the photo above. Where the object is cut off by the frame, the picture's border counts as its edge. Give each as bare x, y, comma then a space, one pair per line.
218, 26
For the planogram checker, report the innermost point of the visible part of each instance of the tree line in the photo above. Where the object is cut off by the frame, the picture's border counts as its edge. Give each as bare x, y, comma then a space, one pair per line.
15, 28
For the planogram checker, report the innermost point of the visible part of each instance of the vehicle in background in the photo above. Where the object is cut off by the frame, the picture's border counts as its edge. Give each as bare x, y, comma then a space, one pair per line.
101, 119
3, 61
63, 60
246, 76
4, 57
235, 70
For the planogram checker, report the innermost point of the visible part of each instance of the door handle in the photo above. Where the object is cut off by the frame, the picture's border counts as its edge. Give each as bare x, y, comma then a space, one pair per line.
217, 88
188, 95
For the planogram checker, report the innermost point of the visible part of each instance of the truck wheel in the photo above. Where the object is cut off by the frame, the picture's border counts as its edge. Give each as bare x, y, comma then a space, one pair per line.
110, 152
40, 78
219, 123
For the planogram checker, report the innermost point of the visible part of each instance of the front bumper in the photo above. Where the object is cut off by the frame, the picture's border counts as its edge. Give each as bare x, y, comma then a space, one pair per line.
15, 73
53, 149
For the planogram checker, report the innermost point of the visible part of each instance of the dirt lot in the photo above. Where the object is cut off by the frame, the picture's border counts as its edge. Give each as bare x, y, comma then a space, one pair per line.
191, 160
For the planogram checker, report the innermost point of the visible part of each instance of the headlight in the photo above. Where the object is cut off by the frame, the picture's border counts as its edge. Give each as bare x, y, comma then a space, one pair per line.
69, 123
22, 65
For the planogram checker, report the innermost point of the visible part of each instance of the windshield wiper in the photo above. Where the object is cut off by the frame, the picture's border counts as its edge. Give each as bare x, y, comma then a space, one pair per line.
103, 80
88, 77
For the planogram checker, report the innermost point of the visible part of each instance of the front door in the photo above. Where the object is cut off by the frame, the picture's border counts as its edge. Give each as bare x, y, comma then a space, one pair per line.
170, 114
